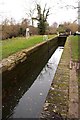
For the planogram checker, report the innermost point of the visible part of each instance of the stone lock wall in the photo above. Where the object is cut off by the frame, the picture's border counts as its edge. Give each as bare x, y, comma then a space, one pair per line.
21, 69
28, 61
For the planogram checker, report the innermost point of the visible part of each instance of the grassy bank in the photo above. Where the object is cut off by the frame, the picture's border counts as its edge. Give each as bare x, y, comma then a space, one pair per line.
75, 47
14, 45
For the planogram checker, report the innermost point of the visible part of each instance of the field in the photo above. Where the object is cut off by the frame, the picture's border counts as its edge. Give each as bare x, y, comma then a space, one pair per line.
14, 45
75, 46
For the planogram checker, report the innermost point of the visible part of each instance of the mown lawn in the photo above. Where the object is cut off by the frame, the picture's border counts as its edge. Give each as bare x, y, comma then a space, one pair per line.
75, 46
14, 45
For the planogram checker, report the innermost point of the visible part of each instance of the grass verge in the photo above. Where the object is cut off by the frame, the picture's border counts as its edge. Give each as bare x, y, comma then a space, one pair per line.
14, 45
75, 47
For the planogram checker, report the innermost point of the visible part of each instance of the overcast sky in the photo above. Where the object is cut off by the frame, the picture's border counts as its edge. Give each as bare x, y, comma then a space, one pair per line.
17, 9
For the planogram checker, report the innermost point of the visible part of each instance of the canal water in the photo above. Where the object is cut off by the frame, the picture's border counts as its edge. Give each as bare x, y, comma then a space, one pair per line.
32, 101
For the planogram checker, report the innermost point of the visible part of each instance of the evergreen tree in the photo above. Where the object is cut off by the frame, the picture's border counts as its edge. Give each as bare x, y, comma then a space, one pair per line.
42, 19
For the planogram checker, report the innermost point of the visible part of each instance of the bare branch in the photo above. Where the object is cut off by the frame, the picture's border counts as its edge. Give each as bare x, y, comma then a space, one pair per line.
71, 6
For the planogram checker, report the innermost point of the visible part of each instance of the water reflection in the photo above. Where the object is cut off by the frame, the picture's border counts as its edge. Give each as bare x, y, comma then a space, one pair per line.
24, 101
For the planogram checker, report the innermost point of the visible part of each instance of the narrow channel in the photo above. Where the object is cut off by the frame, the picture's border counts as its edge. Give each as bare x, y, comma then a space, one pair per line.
32, 101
